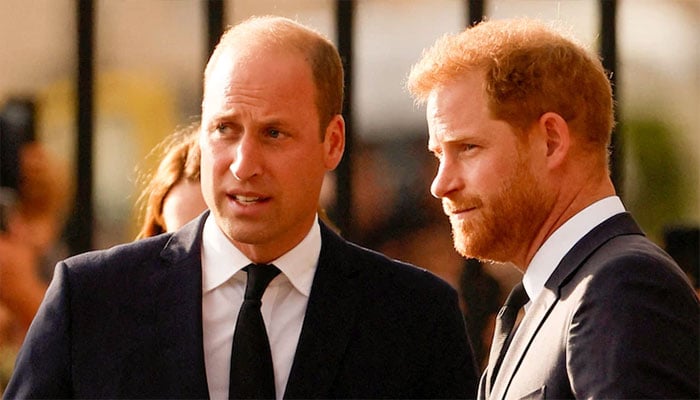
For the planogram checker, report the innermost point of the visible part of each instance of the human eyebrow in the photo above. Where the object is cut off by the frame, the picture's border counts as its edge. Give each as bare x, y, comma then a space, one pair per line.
435, 149
216, 120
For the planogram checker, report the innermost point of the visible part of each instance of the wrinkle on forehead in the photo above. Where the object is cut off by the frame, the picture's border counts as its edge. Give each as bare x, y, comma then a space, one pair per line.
239, 57
237, 79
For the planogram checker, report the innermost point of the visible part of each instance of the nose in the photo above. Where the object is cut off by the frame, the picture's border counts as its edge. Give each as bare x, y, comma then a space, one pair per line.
446, 179
246, 161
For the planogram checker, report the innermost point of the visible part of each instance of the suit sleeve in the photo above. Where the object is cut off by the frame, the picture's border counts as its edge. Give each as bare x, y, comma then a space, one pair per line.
635, 333
42, 368
452, 372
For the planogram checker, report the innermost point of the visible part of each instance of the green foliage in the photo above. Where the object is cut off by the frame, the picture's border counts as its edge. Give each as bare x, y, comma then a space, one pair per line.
660, 177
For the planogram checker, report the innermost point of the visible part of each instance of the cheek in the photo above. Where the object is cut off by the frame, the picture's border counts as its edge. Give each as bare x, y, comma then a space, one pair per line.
207, 175
309, 173
490, 176
215, 161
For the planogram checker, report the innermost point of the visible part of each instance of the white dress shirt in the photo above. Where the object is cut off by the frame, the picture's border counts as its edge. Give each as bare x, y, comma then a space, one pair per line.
563, 239
283, 303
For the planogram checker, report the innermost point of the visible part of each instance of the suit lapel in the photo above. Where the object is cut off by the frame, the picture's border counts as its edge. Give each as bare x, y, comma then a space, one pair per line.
620, 224
177, 289
529, 326
328, 322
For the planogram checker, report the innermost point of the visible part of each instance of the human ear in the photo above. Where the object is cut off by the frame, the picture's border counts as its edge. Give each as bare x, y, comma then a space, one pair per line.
557, 138
334, 142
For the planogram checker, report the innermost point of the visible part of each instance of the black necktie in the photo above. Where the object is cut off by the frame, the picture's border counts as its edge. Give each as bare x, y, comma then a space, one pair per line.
252, 375
503, 329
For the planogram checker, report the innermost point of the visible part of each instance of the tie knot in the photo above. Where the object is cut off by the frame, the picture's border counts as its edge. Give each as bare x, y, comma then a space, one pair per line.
518, 296
259, 276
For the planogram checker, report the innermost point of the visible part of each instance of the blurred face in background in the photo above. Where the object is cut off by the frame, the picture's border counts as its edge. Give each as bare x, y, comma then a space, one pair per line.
182, 204
263, 157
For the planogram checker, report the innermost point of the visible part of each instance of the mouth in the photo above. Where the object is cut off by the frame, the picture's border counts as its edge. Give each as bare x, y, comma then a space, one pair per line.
248, 199
459, 212
462, 211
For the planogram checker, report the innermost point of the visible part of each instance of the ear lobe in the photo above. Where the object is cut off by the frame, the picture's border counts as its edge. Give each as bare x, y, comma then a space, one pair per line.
334, 142
557, 136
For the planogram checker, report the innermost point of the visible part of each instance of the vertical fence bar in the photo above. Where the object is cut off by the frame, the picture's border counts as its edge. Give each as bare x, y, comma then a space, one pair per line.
608, 52
215, 23
345, 10
80, 229
476, 11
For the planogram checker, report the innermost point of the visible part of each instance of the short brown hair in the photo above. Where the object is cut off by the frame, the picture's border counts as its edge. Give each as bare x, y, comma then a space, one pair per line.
319, 52
530, 69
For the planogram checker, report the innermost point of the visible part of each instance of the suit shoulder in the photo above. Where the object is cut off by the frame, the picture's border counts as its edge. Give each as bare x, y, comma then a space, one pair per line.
634, 255
401, 274
630, 296
630, 275
119, 256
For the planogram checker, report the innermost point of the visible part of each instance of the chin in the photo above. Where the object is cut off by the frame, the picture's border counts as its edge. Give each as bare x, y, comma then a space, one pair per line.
472, 246
250, 235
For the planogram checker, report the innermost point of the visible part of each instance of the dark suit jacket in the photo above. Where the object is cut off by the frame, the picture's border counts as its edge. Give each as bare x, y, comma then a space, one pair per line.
617, 319
127, 323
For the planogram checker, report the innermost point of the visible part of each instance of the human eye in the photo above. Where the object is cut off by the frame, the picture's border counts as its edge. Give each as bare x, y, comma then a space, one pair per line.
222, 128
273, 133
225, 130
468, 147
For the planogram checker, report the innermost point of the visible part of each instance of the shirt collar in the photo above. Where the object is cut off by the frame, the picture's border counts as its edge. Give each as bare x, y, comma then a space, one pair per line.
221, 260
563, 239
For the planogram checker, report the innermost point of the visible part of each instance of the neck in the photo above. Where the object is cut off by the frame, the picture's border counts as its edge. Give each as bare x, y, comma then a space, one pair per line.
269, 250
567, 203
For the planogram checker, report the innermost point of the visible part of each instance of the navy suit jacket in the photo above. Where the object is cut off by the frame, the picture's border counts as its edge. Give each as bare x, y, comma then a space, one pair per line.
617, 319
127, 323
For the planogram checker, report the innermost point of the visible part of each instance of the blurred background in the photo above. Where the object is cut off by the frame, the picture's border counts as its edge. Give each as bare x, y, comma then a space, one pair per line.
100, 82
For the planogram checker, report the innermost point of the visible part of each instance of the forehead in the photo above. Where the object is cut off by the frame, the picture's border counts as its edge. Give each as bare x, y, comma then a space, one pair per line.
258, 69
457, 107
465, 90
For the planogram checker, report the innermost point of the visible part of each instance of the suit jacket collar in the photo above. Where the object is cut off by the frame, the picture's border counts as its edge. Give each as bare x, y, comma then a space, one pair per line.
324, 336
620, 224
177, 286
329, 318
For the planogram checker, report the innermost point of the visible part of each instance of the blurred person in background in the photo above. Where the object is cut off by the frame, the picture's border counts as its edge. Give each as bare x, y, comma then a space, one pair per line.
417, 232
520, 119
167, 316
683, 244
29, 243
173, 195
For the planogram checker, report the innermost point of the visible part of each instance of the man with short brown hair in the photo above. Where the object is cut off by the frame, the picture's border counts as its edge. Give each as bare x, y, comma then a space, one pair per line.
256, 298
